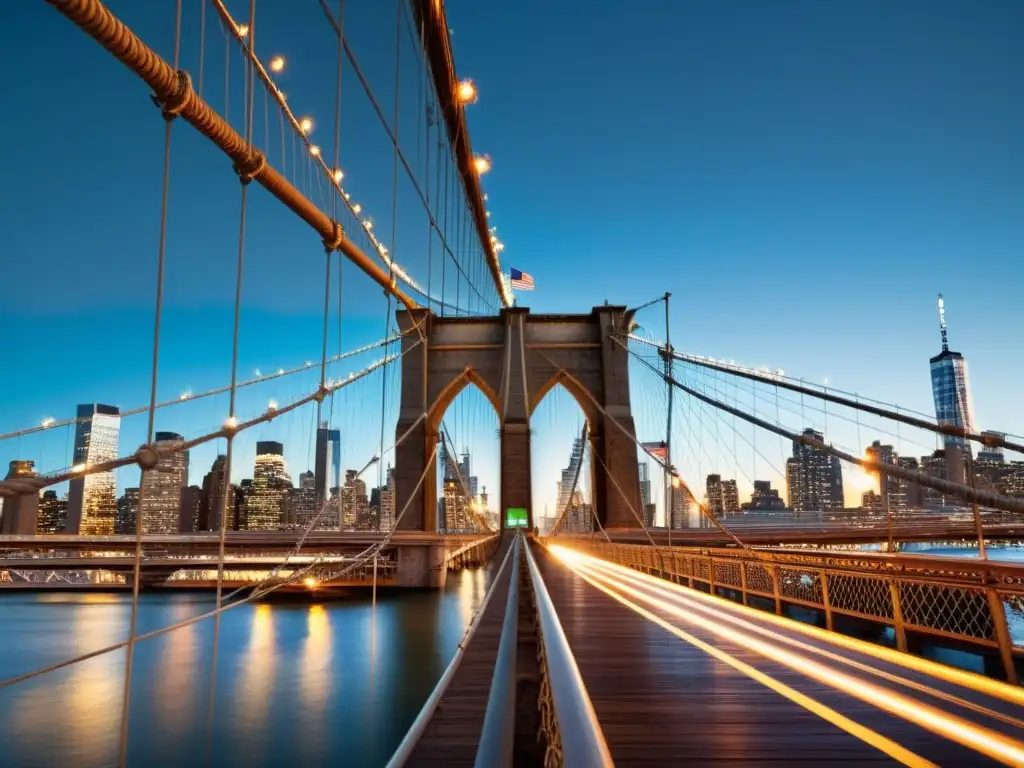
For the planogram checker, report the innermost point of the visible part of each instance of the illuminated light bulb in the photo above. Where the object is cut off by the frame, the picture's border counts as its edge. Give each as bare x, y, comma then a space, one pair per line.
48, 421
308, 363
676, 482
499, 247
280, 371
338, 175
277, 64
465, 92
78, 468
357, 208
368, 224
347, 196
485, 197
482, 164
243, 30
310, 582
314, 151
488, 214
231, 422
305, 124
258, 374
272, 405
184, 396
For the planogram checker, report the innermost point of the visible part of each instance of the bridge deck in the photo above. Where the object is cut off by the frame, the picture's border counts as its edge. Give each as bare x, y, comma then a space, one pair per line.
662, 700
453, 733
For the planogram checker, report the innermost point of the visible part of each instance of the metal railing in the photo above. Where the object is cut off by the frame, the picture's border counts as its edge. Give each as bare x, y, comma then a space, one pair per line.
568, 721
497, 738
958, 599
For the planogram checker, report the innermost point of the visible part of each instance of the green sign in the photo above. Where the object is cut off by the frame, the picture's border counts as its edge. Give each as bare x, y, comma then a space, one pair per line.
515, 517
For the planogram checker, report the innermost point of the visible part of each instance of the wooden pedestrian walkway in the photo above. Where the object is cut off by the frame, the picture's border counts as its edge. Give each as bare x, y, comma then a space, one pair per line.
453, 732
661, 700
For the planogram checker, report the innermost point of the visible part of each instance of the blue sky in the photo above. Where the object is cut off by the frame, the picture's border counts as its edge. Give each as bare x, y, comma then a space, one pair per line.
804, 177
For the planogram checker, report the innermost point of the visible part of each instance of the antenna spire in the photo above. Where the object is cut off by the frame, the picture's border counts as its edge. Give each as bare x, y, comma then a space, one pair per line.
942, 325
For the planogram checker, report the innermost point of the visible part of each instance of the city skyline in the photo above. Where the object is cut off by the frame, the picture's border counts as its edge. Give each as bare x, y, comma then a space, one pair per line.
332, 449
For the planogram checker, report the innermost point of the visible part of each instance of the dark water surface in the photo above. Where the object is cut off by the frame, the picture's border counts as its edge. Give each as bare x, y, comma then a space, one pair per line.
330, 683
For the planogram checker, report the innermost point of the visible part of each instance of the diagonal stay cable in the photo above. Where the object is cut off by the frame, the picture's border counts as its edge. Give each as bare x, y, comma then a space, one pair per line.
190, 397
703, 508
294, 577
949, 430
964, 492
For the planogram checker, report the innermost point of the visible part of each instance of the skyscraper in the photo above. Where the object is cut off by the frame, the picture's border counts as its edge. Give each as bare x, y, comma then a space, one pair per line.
387, 500
355, 505
302, 502
20, 512
191, 503
270, 482
127, 510
53, 513
327, 468
730, 497
647, 508
814, 478
213, 497
713, 489
936, 466
162, 486
92, 499
565, 486
952, 394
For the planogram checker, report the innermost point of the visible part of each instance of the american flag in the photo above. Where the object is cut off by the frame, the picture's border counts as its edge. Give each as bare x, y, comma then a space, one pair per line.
521, 280
659, 449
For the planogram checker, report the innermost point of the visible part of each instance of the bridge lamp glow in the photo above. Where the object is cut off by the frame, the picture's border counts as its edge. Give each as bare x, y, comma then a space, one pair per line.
465, 92
482, 164
78, 468
277, 64
499, 247
231, 422
310, 582
338, 175
314, 151
242, 29
49, 421
272, 405
676, 482
357, 208
305, 125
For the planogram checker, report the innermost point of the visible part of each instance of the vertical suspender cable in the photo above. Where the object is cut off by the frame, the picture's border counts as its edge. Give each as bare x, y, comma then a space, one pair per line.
394, 243
150, 455
230, 426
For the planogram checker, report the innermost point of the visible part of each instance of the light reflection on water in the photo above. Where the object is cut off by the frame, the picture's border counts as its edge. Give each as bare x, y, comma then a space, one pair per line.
297, 683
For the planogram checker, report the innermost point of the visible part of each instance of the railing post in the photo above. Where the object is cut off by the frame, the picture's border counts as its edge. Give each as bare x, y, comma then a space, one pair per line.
776, 591
897, 616
995, 607
825, 601
711, 576
743, 581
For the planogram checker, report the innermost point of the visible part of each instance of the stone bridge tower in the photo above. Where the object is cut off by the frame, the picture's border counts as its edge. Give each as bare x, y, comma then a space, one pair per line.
515, 359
